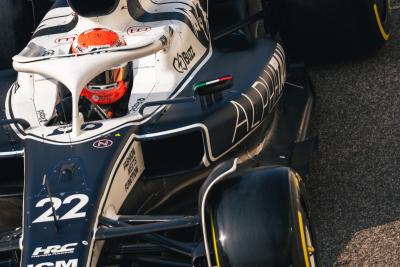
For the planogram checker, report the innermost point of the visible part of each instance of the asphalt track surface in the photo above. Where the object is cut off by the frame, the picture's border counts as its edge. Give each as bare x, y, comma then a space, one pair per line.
354, 184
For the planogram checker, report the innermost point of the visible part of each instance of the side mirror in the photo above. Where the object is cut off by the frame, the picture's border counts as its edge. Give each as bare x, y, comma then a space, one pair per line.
210, 92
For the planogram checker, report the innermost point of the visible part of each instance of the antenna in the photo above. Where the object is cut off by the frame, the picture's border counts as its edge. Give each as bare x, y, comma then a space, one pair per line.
46, 182
66, 122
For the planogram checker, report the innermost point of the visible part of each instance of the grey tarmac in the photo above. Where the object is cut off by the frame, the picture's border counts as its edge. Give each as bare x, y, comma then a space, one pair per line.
354, 184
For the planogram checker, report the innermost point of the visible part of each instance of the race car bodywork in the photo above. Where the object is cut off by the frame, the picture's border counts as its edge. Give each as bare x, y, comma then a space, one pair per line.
212, 139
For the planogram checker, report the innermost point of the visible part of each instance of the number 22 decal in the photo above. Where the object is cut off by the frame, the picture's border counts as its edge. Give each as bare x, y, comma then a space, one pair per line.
73, 213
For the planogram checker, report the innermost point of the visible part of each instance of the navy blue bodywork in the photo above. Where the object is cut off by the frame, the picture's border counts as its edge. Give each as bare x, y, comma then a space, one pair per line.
181, 146
70, 170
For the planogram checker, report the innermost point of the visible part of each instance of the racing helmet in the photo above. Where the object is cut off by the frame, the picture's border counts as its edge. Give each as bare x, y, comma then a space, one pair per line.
110, 86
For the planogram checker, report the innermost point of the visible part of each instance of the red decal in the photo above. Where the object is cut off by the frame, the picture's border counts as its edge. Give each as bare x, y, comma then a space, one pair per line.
69, 39
138, 29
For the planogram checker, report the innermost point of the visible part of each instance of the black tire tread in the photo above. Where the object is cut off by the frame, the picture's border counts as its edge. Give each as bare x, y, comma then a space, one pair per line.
325, 29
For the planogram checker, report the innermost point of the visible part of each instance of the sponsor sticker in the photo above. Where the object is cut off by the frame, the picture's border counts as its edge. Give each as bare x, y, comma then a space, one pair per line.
263, 96
68, 39
133, 167
182, 60
54, 250
103, 143
137, 29
48, 53
41, 116
127, 174
138, 104
63, 263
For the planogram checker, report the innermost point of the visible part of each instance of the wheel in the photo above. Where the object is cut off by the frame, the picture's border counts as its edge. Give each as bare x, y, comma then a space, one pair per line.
237, 10
310, 247
10, 212
257, 219
16, 23
305, 240
324, 29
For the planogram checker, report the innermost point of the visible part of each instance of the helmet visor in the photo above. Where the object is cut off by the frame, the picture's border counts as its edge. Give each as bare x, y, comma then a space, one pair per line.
109, 79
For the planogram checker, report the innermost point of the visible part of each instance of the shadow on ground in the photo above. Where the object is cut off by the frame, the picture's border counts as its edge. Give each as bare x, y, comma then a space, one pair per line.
355, 183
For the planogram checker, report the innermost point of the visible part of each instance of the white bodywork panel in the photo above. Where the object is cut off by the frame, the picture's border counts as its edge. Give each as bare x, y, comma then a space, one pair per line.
156, 76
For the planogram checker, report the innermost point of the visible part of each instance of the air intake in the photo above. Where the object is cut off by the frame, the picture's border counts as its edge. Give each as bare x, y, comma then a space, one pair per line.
93, 8
173, 155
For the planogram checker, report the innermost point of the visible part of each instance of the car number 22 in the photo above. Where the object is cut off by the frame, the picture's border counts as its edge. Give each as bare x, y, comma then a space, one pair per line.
73, 213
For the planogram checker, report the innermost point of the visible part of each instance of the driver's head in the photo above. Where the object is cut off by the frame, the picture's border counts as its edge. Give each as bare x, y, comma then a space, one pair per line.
111, 85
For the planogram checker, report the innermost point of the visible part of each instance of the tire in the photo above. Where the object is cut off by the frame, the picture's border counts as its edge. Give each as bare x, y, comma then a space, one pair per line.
320, 30
306, 245
16, 25
10, 213
237, 10
258, 219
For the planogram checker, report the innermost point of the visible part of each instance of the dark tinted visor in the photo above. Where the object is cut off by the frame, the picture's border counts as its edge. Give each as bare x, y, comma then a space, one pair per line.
110, 77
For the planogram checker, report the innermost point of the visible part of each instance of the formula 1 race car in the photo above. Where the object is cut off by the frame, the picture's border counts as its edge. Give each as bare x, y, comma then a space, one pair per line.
165, 133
